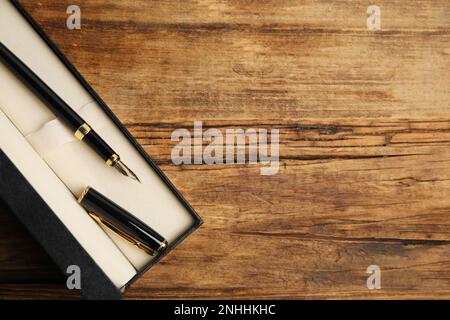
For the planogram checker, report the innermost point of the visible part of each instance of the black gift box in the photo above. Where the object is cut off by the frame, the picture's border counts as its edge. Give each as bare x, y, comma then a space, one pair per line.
45, 226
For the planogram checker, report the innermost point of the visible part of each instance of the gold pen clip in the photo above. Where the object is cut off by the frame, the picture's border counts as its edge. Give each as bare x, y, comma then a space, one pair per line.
125, 236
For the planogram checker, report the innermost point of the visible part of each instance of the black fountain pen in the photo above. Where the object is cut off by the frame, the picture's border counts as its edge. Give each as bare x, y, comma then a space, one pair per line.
63, 111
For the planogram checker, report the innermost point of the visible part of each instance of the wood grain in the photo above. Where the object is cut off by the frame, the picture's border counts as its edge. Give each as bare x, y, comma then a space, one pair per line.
364, 123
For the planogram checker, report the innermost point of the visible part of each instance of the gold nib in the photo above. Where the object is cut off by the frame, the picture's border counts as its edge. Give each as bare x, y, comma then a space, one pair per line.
123, 169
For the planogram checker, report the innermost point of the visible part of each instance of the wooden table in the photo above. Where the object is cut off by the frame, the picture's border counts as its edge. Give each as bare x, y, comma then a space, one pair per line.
364, 119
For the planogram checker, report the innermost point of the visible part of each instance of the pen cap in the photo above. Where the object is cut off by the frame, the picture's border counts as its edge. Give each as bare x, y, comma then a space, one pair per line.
116, 218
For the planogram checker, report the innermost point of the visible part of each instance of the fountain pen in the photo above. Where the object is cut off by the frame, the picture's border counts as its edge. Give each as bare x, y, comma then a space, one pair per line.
63, 111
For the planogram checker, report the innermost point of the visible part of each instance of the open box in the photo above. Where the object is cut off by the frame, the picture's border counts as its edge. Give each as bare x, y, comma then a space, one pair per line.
42, 165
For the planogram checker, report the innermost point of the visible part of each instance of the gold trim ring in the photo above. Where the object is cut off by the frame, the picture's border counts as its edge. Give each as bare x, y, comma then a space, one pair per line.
82, 131
83, 194
113, 160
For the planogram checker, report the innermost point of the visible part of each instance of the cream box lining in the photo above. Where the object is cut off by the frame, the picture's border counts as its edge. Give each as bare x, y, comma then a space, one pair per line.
54, 162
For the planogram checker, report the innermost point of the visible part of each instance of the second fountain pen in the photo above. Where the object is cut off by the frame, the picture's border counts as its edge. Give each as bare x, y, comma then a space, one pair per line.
63, 111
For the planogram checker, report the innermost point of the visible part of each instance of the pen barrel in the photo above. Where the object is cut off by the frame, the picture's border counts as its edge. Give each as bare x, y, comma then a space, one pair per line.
99, 145
108, 213
40, 89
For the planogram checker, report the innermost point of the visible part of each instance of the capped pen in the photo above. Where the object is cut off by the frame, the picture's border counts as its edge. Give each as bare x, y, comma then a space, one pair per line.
82, 130
121, 222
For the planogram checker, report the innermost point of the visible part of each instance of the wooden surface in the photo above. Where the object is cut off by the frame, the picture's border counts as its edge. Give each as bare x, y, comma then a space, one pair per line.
364, 118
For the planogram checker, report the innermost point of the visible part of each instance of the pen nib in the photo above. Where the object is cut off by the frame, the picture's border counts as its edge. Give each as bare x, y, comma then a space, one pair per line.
123, 169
